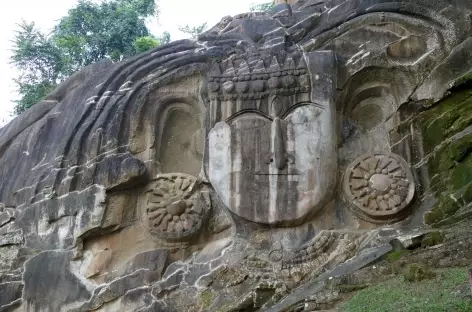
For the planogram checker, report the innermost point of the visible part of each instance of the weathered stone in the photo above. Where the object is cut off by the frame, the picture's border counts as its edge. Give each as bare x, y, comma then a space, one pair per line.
11, 292
279, 153
409, 241
52, 268
13, 237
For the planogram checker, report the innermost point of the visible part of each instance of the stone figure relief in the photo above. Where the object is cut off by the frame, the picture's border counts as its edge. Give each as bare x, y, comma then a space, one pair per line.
273, 152
177, 207
380, 185
180, 147
272, 147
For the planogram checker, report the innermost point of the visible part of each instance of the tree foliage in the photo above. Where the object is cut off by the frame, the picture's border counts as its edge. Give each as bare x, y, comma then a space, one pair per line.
113, 29
40, 62
262, 7
193, 31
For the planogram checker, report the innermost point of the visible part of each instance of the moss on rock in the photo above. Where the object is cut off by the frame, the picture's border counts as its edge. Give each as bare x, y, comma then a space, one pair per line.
395, 255
415, 272
207, 298
449, 150
433, 239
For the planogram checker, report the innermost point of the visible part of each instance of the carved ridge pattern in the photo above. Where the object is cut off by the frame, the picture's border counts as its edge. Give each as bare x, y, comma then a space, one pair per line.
311, 252
260, 82
380, 185
176, 207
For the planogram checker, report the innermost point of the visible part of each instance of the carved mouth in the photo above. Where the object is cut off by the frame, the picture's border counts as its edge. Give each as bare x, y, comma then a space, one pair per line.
281, 177
277, 174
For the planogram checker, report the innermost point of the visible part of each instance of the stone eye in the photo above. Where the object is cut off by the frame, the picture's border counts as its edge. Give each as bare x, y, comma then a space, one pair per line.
303, 114
249, 121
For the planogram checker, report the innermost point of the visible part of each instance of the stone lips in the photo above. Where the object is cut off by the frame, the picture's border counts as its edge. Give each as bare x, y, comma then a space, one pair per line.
175, 207
380, 186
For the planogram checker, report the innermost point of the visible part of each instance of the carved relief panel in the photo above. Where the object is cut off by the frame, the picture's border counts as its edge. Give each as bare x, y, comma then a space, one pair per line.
272, 143
177, 206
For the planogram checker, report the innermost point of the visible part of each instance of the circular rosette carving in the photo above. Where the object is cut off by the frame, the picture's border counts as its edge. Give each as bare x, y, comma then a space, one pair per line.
380, 186
176, 206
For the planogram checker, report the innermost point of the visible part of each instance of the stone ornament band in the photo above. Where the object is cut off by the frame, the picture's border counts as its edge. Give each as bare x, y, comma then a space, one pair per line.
379, 185
251, 84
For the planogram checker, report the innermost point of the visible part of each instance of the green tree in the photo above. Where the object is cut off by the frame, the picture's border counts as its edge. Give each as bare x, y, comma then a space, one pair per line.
143, 44
113, 29
262, 7
91, 32
193, 31
40, 63
165, 37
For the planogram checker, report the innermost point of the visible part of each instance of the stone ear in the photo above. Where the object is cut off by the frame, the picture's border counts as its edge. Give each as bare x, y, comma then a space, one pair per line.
197, 144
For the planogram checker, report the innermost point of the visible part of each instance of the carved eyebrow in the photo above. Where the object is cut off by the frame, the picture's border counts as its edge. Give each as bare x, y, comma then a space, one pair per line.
291, 109
249, 111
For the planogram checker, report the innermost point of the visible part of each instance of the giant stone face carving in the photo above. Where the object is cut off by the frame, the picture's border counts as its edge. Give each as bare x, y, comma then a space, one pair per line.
249, 170
272, 149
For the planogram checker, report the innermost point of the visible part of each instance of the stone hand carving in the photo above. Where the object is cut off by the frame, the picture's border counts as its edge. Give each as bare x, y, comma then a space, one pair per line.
380, 186
272, 145
177, 206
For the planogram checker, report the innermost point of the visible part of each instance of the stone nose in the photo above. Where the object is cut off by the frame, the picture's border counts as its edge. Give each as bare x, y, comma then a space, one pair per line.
279, 159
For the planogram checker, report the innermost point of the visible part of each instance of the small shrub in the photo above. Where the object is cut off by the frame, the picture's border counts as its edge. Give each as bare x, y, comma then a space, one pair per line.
415, 272
432, 239
395, 255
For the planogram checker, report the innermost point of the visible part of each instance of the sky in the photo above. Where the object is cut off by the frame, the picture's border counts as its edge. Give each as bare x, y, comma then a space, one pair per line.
45, 14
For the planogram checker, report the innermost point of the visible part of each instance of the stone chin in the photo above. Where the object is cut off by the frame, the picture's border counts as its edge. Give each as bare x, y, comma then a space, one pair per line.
279, 172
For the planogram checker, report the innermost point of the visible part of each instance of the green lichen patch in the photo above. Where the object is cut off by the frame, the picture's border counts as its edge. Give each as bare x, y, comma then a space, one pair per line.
395, 255
464, 79
448, 144
207, 298
446, 118
415, 272
432, 239
449, 204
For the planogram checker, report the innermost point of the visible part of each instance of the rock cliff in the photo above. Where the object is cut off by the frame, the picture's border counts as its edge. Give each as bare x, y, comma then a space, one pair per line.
262, 167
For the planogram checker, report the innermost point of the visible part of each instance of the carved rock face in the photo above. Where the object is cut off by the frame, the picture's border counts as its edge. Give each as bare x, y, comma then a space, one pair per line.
176, 209
275, 163
380, 186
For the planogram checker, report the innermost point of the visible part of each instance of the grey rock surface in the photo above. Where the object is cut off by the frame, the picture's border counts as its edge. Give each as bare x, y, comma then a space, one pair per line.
243, 170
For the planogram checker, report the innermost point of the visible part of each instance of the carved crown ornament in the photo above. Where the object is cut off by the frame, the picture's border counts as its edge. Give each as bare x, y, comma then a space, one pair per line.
252, 80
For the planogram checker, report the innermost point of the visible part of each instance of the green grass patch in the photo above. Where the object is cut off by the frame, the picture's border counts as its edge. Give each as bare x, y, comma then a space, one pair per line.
447, 292
395, 255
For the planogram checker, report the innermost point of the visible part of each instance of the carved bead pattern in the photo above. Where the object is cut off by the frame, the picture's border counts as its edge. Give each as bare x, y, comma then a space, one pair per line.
228, 86
379, 185
174, 208
311, 252
242, 87
304, 81
273, 83
214, 86
258, 86
245, 79
258, 95
288, 81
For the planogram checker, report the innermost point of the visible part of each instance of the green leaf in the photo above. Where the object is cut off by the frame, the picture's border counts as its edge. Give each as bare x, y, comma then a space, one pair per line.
90, 32
262, 7
193, 31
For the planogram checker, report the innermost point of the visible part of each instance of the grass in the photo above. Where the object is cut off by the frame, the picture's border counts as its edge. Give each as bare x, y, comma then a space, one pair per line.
449, 292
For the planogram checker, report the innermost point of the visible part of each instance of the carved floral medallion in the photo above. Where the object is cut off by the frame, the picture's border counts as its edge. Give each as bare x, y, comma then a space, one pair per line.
176, 206
379, 185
